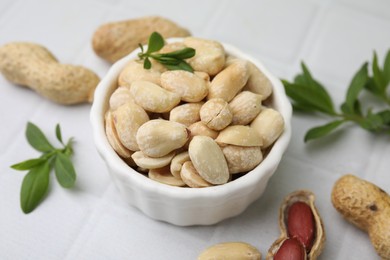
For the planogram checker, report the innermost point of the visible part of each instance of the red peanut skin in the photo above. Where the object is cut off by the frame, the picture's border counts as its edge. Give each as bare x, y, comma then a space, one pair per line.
291, 249
300, 224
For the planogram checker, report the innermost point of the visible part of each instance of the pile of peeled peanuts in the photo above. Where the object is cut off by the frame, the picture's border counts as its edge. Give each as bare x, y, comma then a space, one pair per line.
193, 129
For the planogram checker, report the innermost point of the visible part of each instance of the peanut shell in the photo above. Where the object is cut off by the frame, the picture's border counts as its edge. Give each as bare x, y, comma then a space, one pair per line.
115, 40
308, 198
366, 206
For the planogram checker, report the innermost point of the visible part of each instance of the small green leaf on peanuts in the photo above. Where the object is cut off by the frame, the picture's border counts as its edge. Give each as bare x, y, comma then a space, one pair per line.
185, 53
156, 42
147, 63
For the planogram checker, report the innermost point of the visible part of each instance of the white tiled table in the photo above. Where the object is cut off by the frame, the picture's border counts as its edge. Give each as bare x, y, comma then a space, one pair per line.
92, 222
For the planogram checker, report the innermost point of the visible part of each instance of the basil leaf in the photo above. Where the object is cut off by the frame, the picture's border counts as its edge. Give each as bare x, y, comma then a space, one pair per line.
323, 130
58, 133
386, 68
147, 64
355, 87
28, 164
37, 139
378, 76
156, 42
185, 53
34, 187
372, 122
64, 170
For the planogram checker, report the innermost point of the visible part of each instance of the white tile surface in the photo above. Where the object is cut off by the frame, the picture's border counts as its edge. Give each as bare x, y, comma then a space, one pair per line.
91, 221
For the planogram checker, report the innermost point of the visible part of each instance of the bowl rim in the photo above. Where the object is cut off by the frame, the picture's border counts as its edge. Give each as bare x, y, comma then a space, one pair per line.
117, 166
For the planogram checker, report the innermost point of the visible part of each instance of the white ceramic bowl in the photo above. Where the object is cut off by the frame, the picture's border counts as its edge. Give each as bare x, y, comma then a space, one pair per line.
188, 206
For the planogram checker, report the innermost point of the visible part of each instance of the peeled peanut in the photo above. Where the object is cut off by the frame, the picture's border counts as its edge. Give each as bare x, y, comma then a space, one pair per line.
241, 158
199, 128
113, 41
290, 249
269, 124
209, 57
157, 138
229, 81
216, 114
34, 66
177, 163
127, 119
257, 82
208, 160
366, 206
191, 177
119, 97
239, 135
163, 175
189, 86
231, 251
152, 97
147, 162
134, 71
245, 107
302, 231
113, 138
186, 114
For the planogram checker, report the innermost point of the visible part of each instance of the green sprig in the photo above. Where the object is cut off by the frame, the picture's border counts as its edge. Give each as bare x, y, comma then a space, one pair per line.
308, 95
36, 181
172, 60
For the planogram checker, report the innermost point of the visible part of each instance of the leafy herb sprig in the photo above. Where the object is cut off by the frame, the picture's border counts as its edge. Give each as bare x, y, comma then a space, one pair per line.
172, 60
309, 95
36, 181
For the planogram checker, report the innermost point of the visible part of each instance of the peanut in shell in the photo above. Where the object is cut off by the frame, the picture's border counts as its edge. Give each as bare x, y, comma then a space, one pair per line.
366, 206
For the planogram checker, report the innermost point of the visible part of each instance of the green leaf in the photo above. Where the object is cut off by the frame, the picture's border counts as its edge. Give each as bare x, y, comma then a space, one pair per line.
355, 87
181, 66
385, 115
142, 49
37, 139
147, 64
156, 42
34, 187
167, 60
378, 75
185, 53
64, 170
372, 122
28, 164
315, 88
309, 97
323, 130
58, 133
386, 68
372, 87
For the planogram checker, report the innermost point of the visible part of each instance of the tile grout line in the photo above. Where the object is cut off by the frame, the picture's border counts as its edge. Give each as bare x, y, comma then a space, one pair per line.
88, 226
309, 39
